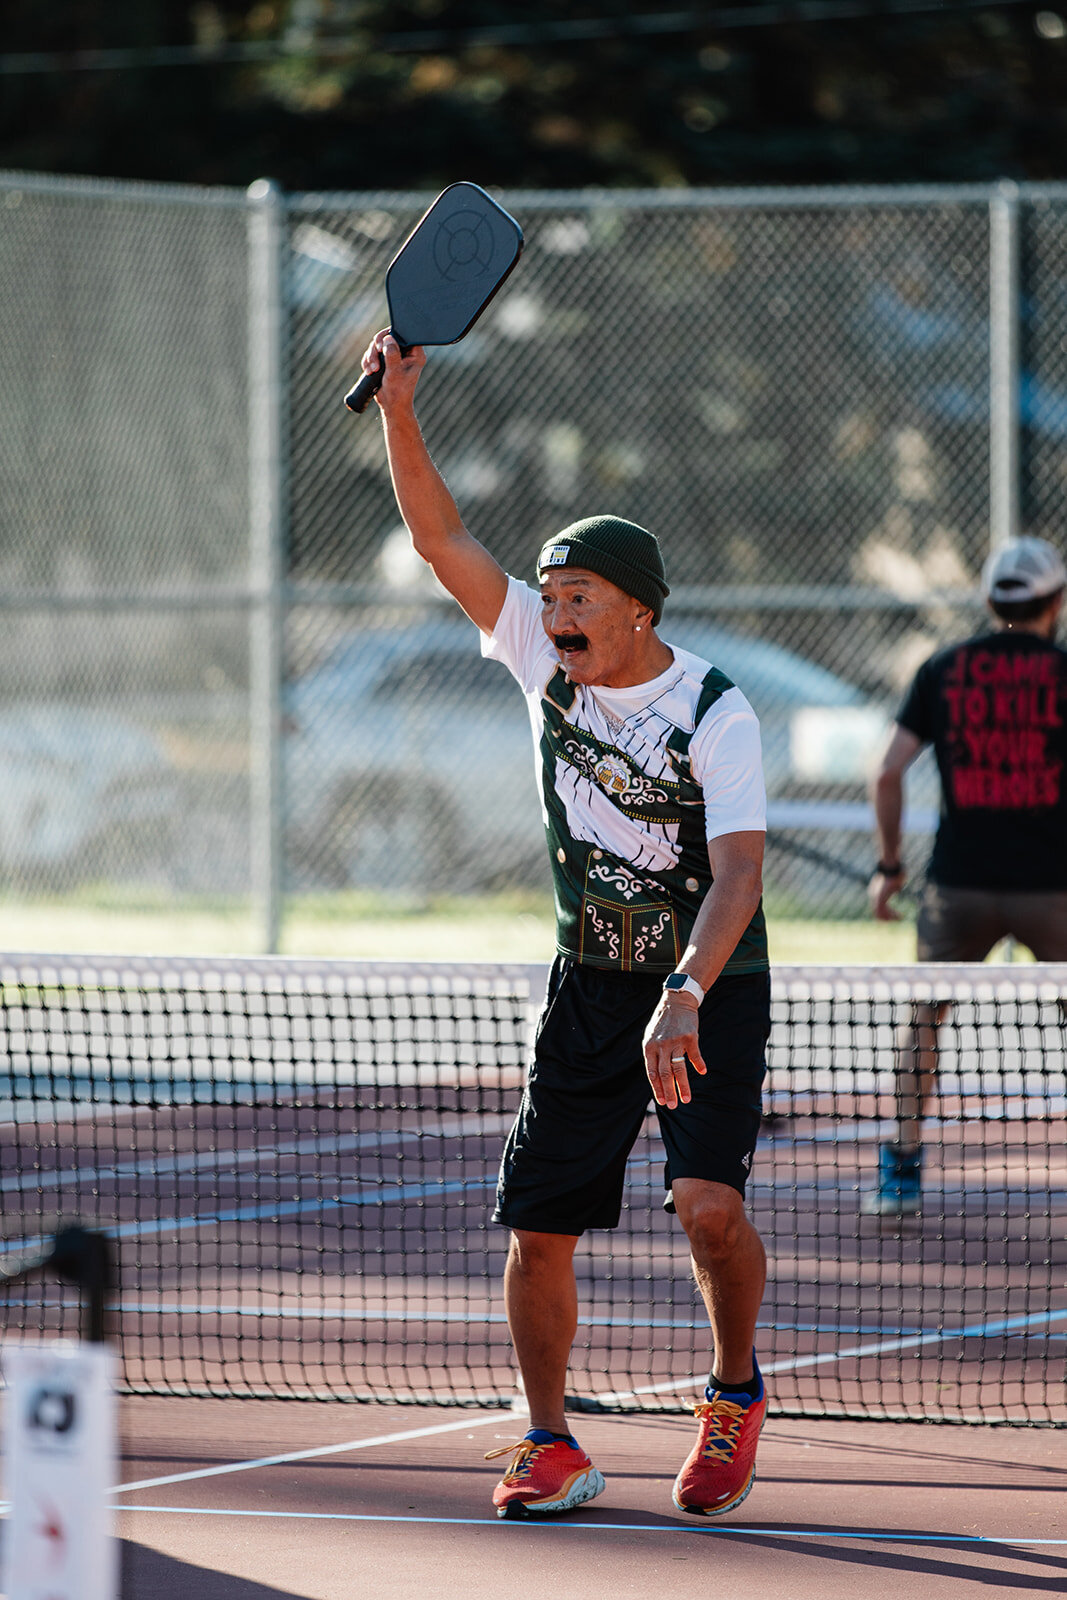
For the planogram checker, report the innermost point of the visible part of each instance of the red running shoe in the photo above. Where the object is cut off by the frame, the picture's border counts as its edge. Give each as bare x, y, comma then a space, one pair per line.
546, 1474
720, 1469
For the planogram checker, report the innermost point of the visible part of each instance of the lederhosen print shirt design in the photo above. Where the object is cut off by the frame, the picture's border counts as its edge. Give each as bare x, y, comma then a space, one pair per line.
627, 819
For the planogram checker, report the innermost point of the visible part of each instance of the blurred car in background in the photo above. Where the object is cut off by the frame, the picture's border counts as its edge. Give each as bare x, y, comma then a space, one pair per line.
408, 766
86, 794
816, 728
409, 761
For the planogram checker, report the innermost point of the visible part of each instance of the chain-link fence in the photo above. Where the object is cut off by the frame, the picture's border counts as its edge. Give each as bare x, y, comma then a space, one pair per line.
222, 671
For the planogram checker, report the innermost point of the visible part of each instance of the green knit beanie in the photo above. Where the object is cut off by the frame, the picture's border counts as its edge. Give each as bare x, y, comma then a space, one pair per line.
628, 556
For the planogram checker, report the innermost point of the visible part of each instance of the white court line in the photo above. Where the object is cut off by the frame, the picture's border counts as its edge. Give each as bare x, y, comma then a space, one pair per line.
977, 1330
584, 1525
275, 1211
460, 1127
271, 1312
481, 1421
880, 1347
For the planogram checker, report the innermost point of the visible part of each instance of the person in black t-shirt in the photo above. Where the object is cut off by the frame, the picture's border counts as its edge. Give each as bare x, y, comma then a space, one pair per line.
994, 708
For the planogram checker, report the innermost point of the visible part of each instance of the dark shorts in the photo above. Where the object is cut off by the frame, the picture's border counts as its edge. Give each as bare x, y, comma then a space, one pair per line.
587, 1095
964, 924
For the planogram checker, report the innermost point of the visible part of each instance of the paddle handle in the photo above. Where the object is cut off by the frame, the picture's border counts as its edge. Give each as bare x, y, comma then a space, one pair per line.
361, 394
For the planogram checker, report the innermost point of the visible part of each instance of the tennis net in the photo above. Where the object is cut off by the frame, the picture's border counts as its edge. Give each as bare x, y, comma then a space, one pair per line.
296, 1161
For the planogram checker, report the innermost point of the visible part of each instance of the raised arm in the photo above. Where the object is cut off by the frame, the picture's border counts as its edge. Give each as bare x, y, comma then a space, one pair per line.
460, 563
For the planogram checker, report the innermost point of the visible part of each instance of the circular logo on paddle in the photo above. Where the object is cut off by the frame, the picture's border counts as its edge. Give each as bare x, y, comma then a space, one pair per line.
463, 246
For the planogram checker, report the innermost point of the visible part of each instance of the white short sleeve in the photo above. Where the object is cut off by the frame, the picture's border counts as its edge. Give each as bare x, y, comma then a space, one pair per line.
519, 639
727, 762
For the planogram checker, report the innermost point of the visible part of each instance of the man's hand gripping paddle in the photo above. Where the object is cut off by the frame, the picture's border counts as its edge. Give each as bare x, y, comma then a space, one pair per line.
445, 274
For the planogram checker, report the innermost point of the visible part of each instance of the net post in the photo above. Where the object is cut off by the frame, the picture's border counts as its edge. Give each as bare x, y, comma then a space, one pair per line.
1004, 379
86, 1259
81, 1257
266, 500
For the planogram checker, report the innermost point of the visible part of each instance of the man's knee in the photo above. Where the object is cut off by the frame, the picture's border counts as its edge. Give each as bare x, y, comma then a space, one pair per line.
534, 1253
713, 1216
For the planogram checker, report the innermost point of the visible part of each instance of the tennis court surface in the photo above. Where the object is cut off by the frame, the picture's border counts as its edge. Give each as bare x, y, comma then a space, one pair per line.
295, 1161
839, 1510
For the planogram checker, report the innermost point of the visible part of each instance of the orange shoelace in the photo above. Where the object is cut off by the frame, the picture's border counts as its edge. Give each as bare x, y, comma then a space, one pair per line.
519, 1467
724, 1418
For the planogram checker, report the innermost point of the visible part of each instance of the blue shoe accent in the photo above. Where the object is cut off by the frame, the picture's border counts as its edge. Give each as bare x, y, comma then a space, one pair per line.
718, 1473
899, 1191
741, 1396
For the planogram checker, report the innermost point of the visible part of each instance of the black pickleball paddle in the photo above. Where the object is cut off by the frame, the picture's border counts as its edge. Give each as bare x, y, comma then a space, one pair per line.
445, 274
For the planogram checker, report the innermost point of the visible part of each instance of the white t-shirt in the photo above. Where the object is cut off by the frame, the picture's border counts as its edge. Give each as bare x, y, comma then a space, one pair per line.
724, 751
633, 783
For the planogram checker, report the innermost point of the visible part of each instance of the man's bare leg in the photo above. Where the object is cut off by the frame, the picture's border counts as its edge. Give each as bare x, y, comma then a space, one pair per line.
916, 1069
541, 1298
730, 1268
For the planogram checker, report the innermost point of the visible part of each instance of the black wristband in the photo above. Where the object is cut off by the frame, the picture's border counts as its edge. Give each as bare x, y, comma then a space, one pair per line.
889, 869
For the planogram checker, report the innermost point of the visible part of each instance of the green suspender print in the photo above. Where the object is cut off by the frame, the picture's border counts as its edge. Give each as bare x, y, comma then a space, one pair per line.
610, 913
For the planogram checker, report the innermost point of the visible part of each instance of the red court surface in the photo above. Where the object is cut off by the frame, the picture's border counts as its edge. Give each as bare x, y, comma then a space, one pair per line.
261, 1499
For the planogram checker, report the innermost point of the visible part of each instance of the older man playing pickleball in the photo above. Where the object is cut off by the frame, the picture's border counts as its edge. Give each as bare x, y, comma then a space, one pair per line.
654, 808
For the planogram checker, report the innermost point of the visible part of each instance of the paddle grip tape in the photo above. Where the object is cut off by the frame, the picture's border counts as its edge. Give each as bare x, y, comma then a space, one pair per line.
360, 396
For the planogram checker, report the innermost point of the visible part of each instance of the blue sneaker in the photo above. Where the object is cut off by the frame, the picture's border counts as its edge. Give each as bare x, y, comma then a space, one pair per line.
899, 1191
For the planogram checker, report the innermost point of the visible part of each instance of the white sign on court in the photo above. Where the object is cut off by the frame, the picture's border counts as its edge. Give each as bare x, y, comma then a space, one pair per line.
59, 1467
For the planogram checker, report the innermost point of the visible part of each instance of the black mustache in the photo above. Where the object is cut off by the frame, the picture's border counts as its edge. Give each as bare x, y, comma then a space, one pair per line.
570, 641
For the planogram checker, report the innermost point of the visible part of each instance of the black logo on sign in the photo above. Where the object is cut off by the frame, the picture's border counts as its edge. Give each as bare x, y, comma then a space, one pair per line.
52, 1410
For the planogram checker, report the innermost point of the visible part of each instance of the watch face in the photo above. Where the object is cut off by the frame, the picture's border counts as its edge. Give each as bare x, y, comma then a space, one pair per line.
684, 984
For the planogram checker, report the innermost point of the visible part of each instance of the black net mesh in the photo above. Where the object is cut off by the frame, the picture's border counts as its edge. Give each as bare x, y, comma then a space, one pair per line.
296, 1162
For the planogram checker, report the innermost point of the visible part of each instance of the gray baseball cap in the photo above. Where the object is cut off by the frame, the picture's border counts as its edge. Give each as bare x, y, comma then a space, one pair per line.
1023, 569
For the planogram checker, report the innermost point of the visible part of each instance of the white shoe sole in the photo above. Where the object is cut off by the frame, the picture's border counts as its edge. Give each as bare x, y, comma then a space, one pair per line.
585, 1487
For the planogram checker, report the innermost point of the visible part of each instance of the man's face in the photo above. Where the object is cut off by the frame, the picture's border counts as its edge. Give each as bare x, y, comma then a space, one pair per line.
591, 623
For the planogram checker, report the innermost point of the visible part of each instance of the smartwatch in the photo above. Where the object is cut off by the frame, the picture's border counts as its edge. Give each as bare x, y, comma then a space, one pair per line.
679, 981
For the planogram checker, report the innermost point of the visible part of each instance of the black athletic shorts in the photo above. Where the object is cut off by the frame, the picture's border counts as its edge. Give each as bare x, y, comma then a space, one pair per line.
587, 1095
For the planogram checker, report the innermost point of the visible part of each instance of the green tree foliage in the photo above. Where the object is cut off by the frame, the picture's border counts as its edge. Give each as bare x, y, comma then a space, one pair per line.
403, 94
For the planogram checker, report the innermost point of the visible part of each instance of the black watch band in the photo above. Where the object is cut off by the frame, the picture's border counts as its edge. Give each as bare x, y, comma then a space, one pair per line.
889, 869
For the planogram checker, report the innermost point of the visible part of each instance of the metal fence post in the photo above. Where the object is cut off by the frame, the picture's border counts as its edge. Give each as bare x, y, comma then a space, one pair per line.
267, 483
1005, 386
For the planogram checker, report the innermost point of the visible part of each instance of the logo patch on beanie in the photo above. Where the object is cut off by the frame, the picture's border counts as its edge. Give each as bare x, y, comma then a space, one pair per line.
556, 557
